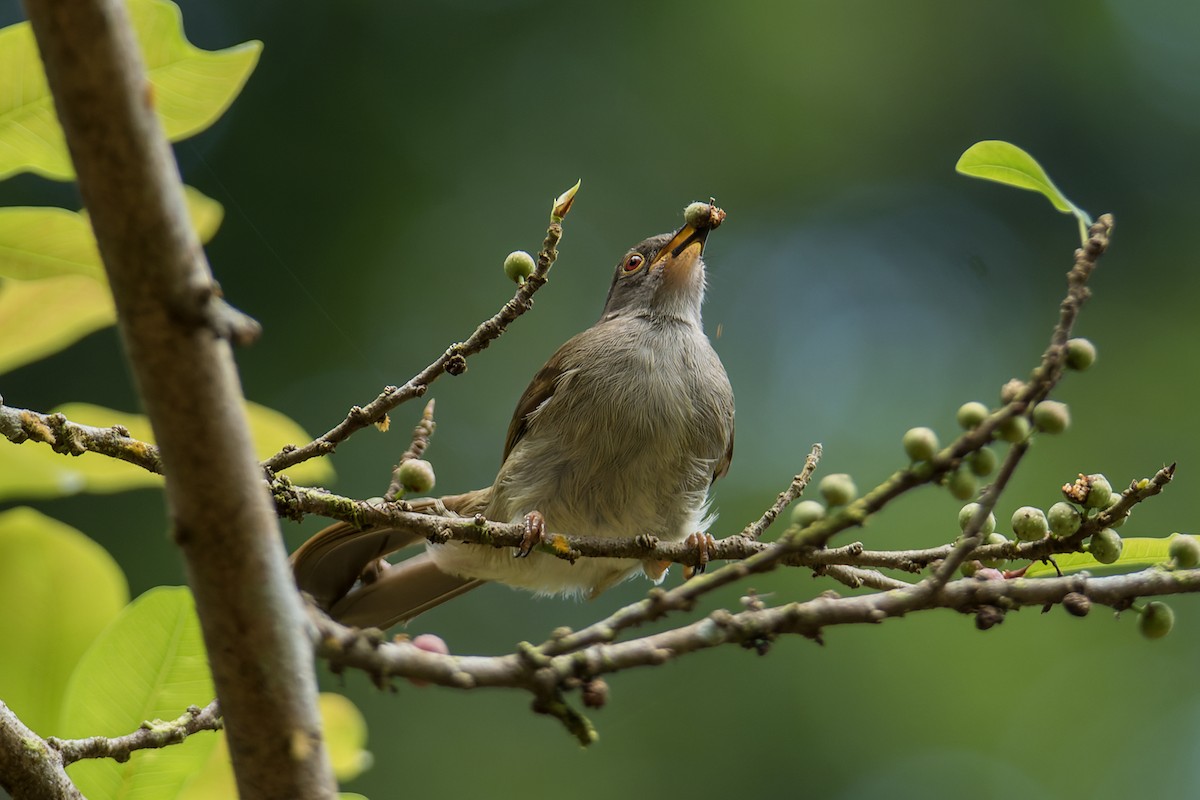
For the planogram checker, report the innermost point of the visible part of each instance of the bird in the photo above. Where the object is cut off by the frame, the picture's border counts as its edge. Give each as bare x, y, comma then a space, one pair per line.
622, 432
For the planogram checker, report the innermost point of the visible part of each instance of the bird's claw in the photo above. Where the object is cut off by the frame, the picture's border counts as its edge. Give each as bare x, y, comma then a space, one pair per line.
535, 529
703, 543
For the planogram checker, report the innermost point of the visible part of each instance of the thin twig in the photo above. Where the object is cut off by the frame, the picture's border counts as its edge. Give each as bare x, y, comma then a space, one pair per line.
70, 438
158, 733
421, 435
454, 361
755, 530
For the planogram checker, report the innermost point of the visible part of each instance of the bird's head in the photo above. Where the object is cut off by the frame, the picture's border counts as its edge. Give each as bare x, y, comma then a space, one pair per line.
663, 276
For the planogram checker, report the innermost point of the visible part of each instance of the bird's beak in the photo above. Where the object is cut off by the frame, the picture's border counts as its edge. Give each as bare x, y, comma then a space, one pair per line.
680, 255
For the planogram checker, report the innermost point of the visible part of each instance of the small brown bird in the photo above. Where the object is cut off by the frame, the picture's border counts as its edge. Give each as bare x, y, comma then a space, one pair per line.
621, 433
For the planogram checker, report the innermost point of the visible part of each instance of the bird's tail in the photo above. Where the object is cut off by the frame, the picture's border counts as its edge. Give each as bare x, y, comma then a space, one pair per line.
342, 568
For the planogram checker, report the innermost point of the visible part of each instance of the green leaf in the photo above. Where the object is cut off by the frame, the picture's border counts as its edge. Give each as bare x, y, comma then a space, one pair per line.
191, 88
149, 664
1003, 162
33, 471
1136, 554
60, 293
39, 318
58, 591
345, 736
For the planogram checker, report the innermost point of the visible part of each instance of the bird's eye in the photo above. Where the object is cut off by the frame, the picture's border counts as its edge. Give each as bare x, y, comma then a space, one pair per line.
633, 262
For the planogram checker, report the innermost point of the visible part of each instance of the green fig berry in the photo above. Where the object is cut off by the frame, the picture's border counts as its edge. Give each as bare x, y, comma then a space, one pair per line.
1156, 620
838, 489
962, 485
1051, 416
1184, 551
1029, 524
1014, 429
964, 518
995, 538
1105, 546
920, 443
1064, 519
806, 512
971, 415
697, 214
416, 475
982, 462
1011, 390
1081, 354
1099, 491
518, 266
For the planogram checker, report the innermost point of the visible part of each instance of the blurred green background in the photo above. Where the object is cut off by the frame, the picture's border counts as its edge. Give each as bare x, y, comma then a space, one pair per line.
385, 157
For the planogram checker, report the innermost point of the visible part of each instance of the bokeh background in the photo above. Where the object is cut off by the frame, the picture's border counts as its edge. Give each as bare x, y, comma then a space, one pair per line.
385, 157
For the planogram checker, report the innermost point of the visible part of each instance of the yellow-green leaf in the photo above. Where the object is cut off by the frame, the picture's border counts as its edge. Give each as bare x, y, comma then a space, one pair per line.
1003, 162
39, 318
46, 242
1136, 554
58, 591
33, 471
150, 664
61, 294
191, 88
345, 736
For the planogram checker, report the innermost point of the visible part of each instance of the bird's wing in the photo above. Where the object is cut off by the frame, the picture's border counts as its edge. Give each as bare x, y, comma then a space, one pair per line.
727, 459
539, 390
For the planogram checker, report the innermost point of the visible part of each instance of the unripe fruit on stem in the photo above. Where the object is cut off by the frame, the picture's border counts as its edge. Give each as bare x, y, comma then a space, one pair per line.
982, 462
1010, 390
1099, 492
1184, 551
1051, 416
1081, 354
1064, 519
1029, 524
1105, 546
962, 485
964, 518
838, 489
806, 512
416, 475
971, 415
920, 443
995, 538
1014, 429
1156, 620
518, 266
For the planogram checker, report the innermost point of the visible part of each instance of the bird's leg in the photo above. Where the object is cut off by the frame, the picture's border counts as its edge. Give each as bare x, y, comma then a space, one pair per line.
703, 542
535, 528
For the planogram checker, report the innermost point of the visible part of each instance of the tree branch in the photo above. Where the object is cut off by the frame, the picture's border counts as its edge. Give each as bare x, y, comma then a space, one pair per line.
172, 321
150, 735
570, 661
29, 767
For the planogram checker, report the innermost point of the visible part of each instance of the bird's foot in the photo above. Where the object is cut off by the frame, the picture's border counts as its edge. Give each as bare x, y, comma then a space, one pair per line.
703, 543
535, 529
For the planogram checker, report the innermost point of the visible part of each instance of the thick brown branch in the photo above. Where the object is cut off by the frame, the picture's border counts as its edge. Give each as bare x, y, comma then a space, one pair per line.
169, 311
29, 767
